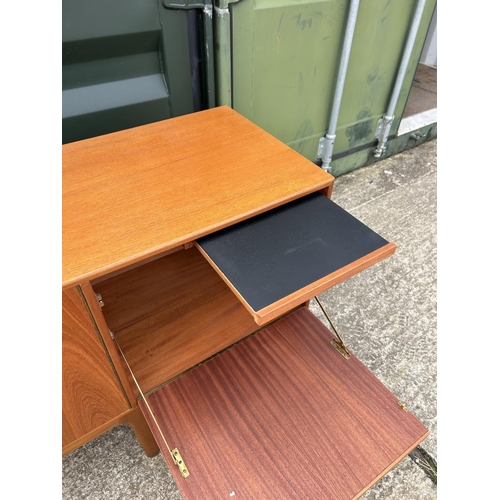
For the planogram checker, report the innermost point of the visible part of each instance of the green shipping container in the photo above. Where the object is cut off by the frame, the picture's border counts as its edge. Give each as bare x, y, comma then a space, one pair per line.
277, 62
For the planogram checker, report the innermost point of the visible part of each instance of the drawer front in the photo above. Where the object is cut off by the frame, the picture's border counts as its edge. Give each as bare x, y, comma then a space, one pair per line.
284, 257
281, 415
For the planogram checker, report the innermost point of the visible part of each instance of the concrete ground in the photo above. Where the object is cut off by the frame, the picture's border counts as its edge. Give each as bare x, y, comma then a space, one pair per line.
387, 316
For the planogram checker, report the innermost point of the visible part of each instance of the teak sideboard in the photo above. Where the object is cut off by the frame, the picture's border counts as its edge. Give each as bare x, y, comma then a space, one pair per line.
191, 250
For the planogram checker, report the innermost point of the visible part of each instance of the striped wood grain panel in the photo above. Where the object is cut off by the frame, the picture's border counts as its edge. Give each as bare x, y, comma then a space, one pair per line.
91, 393
283, 416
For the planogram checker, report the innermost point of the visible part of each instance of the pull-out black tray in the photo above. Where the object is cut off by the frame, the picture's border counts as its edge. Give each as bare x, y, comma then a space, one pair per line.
294, 251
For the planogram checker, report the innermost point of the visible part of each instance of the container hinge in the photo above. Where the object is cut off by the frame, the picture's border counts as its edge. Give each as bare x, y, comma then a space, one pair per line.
99, 299
403, 405
337, 343
177, 458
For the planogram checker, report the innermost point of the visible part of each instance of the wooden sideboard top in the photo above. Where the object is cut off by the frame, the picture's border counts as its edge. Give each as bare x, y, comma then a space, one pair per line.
134, 194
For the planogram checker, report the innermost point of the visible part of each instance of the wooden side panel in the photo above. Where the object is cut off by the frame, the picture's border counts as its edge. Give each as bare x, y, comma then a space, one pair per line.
282, 415
172, 314
91, 393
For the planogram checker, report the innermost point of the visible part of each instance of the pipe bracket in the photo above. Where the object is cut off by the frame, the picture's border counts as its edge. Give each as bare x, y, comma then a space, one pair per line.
325, 151
382, 132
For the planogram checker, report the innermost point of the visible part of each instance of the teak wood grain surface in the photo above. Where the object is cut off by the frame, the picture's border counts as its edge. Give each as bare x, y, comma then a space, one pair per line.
136, 193
91, 393
282, 415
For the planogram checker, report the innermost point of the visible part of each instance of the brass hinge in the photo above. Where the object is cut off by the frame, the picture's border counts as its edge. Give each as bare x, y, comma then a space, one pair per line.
337, 343
176, 456
341, 348
403, 405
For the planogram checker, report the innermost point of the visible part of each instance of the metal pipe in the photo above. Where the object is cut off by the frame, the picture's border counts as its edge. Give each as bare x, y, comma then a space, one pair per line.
325, 147
384, 125
208, 54
222, 35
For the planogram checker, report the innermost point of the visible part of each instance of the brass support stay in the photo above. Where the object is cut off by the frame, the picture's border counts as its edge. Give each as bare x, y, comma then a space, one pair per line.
175, 454
338, 343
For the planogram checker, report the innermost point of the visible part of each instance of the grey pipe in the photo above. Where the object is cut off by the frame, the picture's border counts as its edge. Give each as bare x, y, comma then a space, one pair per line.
209, 53
385, 123
325, 147
223, 55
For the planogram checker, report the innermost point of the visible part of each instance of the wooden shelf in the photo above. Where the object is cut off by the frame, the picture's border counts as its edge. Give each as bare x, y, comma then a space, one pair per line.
170, 314
282, 415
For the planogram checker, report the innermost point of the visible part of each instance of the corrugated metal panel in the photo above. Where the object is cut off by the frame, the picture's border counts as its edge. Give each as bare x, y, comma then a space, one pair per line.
129, 62
125, 63
286, 55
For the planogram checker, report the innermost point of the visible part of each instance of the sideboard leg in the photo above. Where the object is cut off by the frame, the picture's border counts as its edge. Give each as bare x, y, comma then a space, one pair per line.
136, 420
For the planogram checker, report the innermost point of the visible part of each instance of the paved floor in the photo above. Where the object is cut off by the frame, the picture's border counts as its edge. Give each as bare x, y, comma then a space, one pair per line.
386, 315
423, 92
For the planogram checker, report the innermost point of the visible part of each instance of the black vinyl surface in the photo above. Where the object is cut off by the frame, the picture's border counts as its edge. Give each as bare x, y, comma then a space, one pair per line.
281, 251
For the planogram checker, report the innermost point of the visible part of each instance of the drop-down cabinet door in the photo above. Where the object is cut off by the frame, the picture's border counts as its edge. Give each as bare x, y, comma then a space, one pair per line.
281, 415
280, 259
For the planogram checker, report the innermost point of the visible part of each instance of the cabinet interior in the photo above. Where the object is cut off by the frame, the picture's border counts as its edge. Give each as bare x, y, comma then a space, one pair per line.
176, 311
283, 390
171, 314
